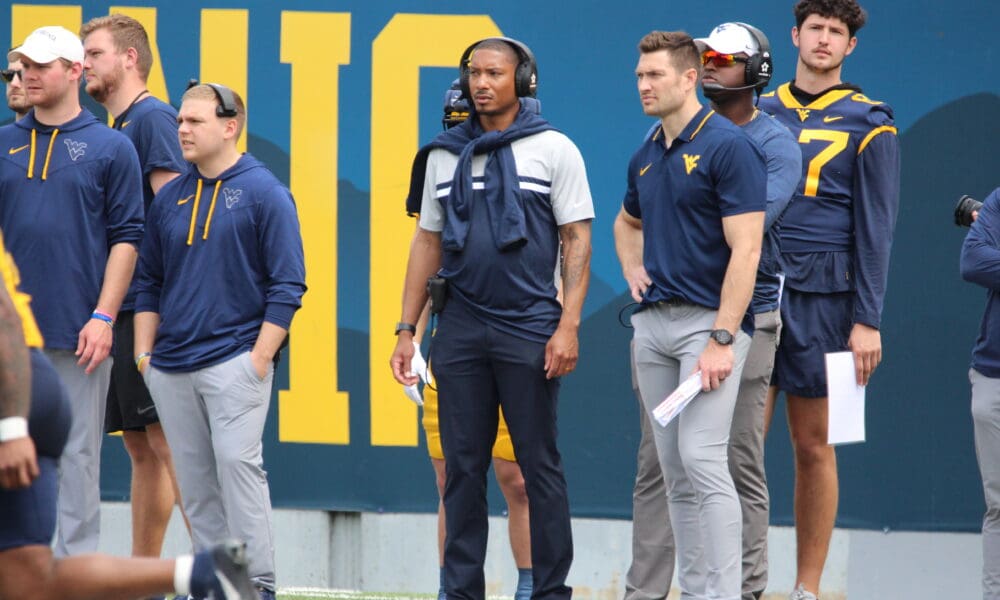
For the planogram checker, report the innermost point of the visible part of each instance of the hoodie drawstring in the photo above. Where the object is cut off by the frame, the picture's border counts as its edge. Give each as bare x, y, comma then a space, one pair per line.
31, 156
48, 154
211, 209
194, 211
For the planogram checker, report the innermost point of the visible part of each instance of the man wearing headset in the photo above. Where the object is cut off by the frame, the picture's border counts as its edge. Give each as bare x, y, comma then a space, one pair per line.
505, 467
221, 274
736, 66
499, 192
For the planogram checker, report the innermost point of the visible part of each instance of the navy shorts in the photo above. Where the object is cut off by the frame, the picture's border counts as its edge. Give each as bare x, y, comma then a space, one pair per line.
130, 407
28, 515
51, 415
812, 325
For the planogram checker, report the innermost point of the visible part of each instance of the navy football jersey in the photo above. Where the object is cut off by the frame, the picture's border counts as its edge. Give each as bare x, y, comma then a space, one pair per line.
837, 231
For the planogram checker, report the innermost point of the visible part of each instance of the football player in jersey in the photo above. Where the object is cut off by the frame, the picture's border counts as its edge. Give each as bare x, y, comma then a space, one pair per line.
34, 425
835, 242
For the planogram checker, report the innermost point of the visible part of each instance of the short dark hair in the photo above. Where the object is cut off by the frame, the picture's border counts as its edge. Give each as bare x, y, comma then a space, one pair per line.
848, 11
679, 45
500, 46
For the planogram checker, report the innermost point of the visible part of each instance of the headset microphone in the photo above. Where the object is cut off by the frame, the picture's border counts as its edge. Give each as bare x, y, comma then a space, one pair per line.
715, 87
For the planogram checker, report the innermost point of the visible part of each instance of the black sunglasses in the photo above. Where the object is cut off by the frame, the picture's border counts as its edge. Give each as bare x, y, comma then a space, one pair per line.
9, 74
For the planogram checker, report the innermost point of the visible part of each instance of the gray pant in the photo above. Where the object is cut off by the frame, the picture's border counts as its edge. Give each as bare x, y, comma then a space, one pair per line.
704, 508
986, 422
652, 567
79, 519
214, 420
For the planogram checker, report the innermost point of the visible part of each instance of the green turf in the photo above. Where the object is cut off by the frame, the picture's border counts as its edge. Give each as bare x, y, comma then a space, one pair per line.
320, 594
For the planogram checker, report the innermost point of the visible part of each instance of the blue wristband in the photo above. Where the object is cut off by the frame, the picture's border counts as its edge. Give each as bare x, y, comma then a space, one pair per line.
103, 317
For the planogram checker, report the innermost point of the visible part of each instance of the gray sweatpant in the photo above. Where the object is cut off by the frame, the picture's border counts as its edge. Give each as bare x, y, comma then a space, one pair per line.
704, 508
79, 518
986, 425
214, 420
652, 567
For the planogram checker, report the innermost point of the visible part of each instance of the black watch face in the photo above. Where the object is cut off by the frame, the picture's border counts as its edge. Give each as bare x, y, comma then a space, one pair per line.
722, 336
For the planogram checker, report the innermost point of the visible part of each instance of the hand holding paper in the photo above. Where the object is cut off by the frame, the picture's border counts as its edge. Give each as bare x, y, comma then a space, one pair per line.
846, 400
678, 399
418, 366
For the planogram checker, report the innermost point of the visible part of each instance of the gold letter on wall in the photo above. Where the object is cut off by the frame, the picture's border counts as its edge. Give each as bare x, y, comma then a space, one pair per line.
407, 43
313, 409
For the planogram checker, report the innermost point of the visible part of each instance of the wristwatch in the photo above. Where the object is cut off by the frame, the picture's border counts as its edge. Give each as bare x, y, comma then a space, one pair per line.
401, 326
721, 337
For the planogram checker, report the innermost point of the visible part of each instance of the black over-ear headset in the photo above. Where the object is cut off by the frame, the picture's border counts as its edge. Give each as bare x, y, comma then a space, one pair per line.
525, 77
227, 101
760, 66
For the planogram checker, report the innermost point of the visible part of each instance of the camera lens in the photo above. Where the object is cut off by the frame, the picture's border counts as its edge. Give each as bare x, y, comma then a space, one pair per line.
964, 208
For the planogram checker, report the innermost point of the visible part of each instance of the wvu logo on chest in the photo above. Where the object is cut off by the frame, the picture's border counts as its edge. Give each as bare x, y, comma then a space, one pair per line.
803, 113
690, 162
76, 149
232, 196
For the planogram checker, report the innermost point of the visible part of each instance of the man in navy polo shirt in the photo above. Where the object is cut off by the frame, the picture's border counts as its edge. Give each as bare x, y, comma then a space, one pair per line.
689, 240
501, 191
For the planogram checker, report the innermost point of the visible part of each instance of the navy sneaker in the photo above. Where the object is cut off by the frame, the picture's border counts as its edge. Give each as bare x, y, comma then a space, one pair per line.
220, 573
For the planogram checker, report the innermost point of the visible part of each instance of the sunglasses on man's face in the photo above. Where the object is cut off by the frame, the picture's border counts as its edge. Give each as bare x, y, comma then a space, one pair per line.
719, 59
9, 74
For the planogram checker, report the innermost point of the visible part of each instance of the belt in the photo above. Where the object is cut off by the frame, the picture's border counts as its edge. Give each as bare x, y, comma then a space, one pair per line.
675, 301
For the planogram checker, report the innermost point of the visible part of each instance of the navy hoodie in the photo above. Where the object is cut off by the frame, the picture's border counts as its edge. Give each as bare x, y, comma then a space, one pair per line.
220, 257
67, 194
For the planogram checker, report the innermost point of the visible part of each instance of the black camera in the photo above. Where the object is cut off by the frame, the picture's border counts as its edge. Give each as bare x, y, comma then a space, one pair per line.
964, 208
456, 107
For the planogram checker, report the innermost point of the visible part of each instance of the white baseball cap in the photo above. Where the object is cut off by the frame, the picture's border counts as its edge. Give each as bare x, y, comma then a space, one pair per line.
47, 44
729, 38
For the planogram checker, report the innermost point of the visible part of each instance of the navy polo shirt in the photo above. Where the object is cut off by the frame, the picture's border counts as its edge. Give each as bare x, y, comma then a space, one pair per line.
712, 170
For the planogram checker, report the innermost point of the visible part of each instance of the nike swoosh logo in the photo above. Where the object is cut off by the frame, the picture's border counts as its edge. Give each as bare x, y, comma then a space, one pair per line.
125, 124
184, 200
643, 170
16, 150
831, 119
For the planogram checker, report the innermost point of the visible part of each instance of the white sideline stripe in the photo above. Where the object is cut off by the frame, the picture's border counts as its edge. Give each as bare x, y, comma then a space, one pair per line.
359, 595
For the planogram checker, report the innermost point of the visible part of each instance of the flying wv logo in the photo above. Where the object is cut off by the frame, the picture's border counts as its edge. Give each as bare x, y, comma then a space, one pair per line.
232, 196
803, 113
691, 161
76, 149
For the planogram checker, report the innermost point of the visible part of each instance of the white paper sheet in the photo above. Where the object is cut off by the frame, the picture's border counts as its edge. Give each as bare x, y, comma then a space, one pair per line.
846, 423
673, 404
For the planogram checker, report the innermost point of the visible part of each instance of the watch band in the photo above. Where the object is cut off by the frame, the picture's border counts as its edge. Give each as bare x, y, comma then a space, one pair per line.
401, 326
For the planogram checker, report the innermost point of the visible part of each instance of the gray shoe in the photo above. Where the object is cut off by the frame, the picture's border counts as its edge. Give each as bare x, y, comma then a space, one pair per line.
220, 573
800, 593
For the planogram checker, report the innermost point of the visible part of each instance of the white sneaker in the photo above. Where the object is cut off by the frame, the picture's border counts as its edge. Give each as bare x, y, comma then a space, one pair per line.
800, 593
